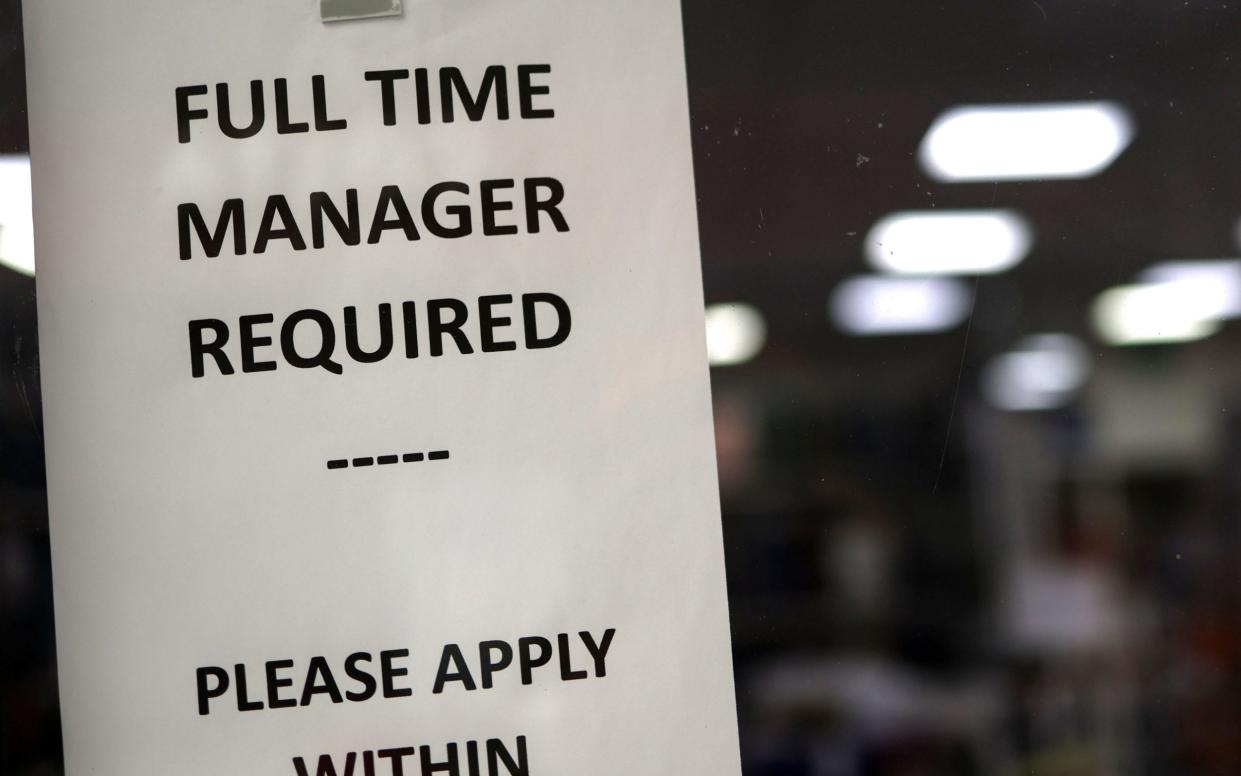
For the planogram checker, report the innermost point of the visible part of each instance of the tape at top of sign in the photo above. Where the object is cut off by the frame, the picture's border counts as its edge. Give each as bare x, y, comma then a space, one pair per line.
342, 10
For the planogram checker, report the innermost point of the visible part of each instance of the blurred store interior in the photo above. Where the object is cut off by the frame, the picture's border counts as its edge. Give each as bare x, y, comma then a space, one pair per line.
971, 271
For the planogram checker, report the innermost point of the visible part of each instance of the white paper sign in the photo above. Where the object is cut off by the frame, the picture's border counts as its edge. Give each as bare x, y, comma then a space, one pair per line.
377, 409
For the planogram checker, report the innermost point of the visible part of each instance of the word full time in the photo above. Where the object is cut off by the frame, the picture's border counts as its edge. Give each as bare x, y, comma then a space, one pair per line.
494, 95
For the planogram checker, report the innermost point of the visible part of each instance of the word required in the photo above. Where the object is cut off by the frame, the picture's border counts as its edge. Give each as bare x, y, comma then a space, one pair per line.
497, 88
308, 338
360, 677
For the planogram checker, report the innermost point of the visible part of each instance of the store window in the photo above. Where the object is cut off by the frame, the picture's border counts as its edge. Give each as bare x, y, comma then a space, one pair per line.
971, 273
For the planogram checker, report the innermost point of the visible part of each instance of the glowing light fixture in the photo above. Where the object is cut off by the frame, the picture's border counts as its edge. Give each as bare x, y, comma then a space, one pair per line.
16, 226
1041, 373
736, 333
1153, 313
1214, 283
1025, 142
960, 242
873, 305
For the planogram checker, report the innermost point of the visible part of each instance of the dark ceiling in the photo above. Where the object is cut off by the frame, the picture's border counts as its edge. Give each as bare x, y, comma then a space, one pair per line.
807, 117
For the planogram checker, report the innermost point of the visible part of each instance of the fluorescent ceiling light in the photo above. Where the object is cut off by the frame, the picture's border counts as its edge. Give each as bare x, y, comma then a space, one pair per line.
873, 305
1025, 142
16, 226
1041, 373
960, 242
735, 334
1153, 313
1214, 283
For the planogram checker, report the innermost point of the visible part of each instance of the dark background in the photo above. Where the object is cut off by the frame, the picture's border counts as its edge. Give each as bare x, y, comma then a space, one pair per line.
876, 510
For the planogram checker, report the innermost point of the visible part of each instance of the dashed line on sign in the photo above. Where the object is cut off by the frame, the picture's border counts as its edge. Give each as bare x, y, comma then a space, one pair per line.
387, 460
